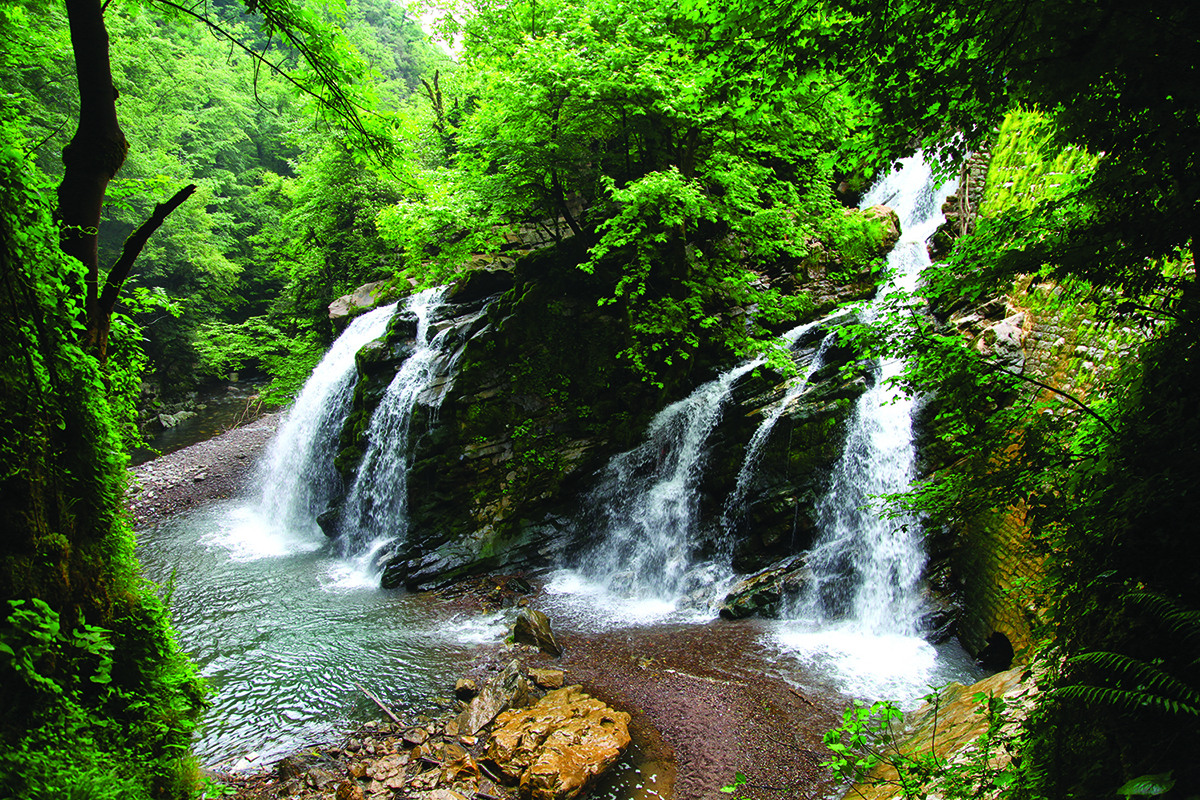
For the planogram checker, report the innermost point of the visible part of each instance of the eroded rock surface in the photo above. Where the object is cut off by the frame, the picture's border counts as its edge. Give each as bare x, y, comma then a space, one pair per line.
558, 746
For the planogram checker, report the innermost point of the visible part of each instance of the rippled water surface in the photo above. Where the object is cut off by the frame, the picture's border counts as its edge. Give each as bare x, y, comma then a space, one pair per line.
282, 630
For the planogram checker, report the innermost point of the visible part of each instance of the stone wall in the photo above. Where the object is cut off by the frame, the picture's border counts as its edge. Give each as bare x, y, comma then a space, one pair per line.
1067, 347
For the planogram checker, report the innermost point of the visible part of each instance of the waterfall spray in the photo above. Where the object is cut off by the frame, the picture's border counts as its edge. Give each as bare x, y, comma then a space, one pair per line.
299, 478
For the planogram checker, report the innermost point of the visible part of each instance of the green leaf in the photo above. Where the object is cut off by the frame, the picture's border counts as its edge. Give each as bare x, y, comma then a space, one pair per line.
1148, 785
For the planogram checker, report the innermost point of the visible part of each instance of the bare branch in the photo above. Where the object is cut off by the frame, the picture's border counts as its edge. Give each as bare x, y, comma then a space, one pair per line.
133, 247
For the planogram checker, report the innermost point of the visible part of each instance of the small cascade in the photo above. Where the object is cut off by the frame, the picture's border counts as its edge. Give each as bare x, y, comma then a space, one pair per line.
646, 506
736, 502
375, 508
866, 571
299, 478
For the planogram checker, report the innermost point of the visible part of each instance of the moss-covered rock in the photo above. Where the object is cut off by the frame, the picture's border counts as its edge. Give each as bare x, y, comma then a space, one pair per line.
539, 404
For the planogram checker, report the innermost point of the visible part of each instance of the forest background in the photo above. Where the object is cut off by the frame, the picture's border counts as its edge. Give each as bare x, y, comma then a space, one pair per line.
691, 152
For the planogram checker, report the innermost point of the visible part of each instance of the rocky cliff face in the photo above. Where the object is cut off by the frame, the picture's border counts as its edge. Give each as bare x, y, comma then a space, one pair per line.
539, 403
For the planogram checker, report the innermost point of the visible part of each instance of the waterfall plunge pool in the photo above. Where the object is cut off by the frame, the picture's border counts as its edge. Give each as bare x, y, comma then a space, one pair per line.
282, 627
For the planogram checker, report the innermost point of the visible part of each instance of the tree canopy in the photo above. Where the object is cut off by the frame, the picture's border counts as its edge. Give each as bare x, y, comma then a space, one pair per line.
228, 169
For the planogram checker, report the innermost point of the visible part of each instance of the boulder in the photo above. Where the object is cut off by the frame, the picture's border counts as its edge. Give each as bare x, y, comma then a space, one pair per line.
533, 627
547, 678
480, 283
762, 593
507, 690
362, 298
171, 420
560, 745
889, 222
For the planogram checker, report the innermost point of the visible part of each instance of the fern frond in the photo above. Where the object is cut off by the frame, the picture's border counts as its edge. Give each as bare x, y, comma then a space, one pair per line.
1176, 619
1126, 700
1143, 677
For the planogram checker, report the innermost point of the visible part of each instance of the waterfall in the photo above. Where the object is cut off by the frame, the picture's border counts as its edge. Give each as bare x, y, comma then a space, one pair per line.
375, 510
646, 505
867, 570
299, 478
735, 504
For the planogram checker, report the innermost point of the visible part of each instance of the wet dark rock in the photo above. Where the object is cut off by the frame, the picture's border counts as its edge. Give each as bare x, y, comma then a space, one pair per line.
328, 520
518, 585
533, 627
481, 283
762, 593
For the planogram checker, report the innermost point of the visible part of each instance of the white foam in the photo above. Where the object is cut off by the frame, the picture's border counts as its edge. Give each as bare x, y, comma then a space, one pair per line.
247, 536
594, 606
862, 664
475, 629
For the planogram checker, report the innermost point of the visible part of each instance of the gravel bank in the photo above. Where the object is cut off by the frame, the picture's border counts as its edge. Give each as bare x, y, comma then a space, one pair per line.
214, 469
713, 696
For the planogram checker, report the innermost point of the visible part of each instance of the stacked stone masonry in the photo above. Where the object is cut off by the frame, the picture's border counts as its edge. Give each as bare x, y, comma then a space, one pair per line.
1069, 349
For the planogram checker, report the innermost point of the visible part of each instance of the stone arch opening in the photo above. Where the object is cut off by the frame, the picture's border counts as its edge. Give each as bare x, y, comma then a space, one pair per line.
997, 654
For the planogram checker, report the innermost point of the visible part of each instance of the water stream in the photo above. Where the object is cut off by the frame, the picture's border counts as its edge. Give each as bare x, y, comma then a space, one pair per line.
376, 507
860, 616
646, 507
283, 622
298, 476
282, 627
735, 503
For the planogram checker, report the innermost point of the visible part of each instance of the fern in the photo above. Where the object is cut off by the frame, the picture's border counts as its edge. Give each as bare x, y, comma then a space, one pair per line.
1126, 699
1138, 685
1146, 677
1178, 621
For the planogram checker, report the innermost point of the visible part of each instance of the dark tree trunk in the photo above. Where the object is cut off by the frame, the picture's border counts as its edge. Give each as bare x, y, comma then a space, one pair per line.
94, 155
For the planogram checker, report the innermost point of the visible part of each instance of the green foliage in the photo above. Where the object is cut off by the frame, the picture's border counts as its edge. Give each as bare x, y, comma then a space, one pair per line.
601, 121
1148, 785
98, 699
868, 747
223, 348
1128, 684
197, 107
1028, 164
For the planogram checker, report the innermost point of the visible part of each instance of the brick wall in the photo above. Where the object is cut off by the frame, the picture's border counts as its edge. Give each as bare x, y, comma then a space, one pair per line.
1067, 348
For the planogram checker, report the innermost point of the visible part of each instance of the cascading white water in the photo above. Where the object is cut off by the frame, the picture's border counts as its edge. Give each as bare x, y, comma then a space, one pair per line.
734, 505
375, 508
646, 505
299, 478
645, 510
862, 610
867, 569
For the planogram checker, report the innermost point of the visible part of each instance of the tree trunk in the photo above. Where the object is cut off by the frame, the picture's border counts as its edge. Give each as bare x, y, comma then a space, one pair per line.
94, 155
